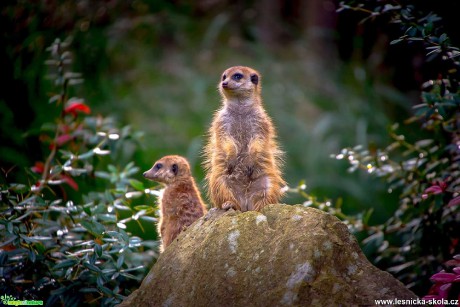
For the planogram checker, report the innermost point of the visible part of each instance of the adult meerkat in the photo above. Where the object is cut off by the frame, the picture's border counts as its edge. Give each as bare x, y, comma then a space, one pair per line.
242, 158
180, 202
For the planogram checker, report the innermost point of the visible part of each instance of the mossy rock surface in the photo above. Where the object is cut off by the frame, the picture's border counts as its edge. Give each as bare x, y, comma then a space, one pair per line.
281, 256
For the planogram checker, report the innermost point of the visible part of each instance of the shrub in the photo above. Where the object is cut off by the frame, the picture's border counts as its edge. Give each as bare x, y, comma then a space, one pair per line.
64, 233
422, 167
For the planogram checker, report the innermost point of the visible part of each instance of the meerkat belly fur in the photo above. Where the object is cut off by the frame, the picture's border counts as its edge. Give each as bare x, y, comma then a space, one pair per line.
242, 157
180, 203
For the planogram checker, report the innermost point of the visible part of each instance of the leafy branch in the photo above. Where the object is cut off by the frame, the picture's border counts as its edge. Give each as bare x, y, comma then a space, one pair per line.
58, 244
424, 171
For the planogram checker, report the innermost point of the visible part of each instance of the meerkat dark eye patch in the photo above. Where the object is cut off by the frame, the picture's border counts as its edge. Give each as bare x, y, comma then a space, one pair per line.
255, 79
237, 77
175, 169
158, 166
224, 77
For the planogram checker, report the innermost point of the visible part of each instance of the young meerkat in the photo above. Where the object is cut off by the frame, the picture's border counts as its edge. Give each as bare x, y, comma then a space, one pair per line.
242, 158
180, 202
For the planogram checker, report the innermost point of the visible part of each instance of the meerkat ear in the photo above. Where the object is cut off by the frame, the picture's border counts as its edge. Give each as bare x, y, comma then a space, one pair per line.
255, 79
175, 169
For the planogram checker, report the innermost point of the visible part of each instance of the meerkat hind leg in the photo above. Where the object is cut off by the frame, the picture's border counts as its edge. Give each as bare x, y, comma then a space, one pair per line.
259, 193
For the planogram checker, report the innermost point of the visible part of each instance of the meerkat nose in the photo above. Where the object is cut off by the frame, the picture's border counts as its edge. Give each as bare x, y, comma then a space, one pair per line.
224, 84
145, 174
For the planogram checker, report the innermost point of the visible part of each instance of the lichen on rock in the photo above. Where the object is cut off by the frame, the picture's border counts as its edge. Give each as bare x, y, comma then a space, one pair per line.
282, 256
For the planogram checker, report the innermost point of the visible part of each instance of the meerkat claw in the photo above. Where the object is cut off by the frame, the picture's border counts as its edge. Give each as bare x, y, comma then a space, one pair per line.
228, 205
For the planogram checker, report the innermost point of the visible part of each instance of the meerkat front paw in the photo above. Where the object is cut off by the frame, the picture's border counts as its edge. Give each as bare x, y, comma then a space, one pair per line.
229, 205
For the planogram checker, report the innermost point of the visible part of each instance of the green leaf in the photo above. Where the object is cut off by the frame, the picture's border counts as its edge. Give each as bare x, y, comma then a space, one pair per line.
127, 275
112, 168
87, 210
372, 243
92, 267
367, 216
142, 207
441, 111
424, 143
3, 258
92, 258
132, 171
411, 31
115, 276
32, 256
93, 227
137, 184
106, 290
148, 218
428, 28
98, 250
18, 188
110, 218
443, 38
27, 239
9, 227
40, 248
100, 281
113, 233
120, 261
65, 264
54, 98
103, 175
140, 267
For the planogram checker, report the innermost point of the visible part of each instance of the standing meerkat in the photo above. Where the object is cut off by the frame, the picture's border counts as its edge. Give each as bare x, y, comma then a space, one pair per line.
180, 203
242, 158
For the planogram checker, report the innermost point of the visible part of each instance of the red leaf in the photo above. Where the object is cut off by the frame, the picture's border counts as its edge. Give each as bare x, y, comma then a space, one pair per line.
62, 139
436, 189
69, 180
38, 168
77, 106
453, 262
454, 202
443, 277
444, 290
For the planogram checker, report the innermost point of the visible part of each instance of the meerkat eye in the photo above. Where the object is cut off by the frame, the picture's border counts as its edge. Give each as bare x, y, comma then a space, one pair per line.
175, 169
237, 77
158, 166
224, 77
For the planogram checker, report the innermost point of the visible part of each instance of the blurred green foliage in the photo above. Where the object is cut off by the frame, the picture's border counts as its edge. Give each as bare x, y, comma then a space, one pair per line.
155, 66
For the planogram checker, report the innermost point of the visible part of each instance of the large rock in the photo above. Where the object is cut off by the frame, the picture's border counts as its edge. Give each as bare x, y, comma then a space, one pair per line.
281, 256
